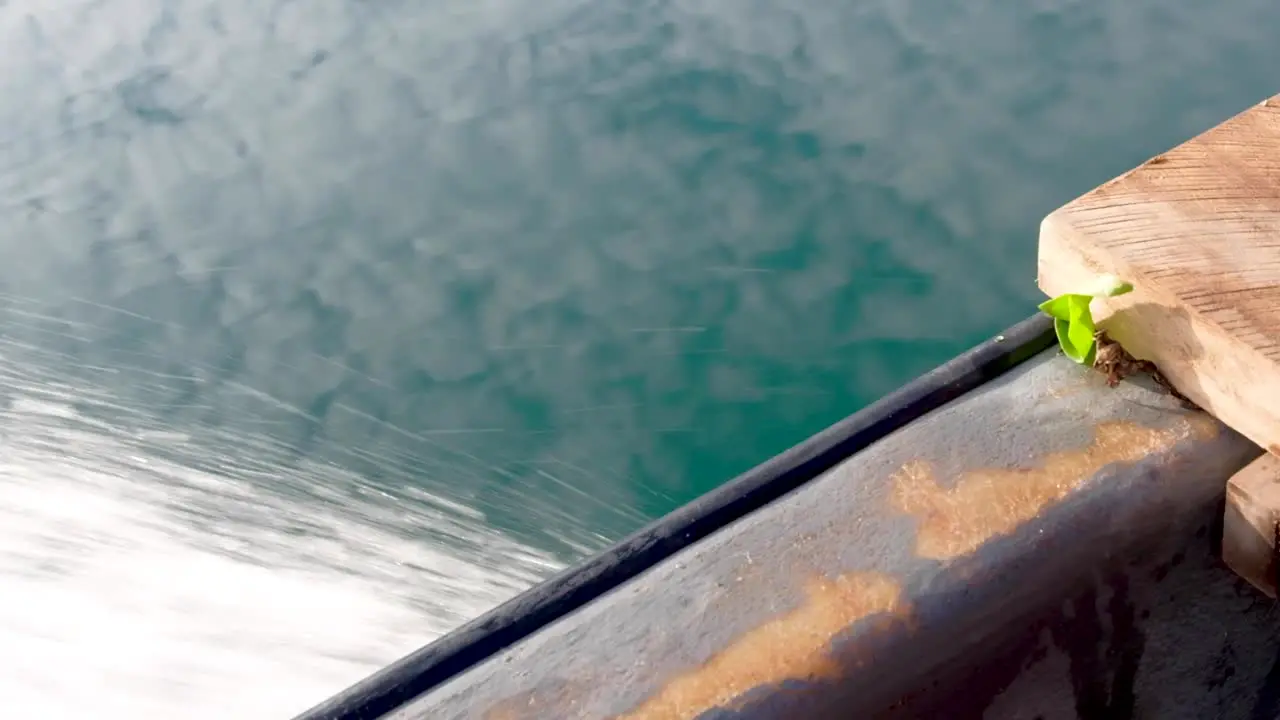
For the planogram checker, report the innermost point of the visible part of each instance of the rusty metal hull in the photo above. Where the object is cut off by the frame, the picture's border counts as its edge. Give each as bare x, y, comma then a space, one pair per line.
1041, 546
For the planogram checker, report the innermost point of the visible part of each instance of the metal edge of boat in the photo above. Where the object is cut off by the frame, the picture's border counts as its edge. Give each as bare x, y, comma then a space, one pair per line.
955, 545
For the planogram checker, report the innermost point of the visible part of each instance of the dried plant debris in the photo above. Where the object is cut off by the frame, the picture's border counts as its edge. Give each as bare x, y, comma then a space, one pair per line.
1117, 364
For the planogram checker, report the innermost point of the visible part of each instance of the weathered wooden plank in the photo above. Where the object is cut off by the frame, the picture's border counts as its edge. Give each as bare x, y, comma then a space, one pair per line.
1251, 525
1197, 232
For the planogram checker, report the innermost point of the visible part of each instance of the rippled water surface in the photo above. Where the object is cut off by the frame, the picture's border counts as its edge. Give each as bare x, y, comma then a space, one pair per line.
327, 325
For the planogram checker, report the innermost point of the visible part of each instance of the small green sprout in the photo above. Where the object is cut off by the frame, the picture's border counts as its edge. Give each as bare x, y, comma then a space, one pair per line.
1073, 321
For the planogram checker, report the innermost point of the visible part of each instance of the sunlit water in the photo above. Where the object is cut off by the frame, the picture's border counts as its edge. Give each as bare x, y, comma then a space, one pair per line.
326, 325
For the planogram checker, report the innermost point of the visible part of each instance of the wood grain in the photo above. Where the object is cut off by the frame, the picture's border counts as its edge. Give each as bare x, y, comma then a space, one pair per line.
1251, 523
1197, 231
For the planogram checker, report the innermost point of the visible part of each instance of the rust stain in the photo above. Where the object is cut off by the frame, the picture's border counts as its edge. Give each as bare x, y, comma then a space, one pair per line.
793, 646
994, 501
503, 711
515, 708
1059, 392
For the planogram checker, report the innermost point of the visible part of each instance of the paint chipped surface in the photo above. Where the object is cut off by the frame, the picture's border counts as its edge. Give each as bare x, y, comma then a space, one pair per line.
990, 502
795, 646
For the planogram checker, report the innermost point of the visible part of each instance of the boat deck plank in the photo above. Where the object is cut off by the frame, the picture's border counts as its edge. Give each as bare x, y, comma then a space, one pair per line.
1197, 232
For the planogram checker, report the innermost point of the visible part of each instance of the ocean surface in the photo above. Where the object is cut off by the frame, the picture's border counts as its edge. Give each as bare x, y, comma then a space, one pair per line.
328, 325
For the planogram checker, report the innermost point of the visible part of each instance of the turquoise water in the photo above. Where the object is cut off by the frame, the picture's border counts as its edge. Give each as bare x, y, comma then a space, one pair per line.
408, 304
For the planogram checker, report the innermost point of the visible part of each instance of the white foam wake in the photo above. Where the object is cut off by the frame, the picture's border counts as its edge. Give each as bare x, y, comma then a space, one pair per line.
134, 586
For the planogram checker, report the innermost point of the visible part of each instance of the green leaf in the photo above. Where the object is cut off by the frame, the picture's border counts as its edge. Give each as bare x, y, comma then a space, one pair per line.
1073, 323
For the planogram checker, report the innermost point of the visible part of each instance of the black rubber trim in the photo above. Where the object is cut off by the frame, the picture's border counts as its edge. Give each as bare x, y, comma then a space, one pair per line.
411, 676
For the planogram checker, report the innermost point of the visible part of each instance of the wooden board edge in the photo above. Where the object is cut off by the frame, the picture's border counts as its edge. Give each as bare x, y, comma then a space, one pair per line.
1199, 358
1251, 523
